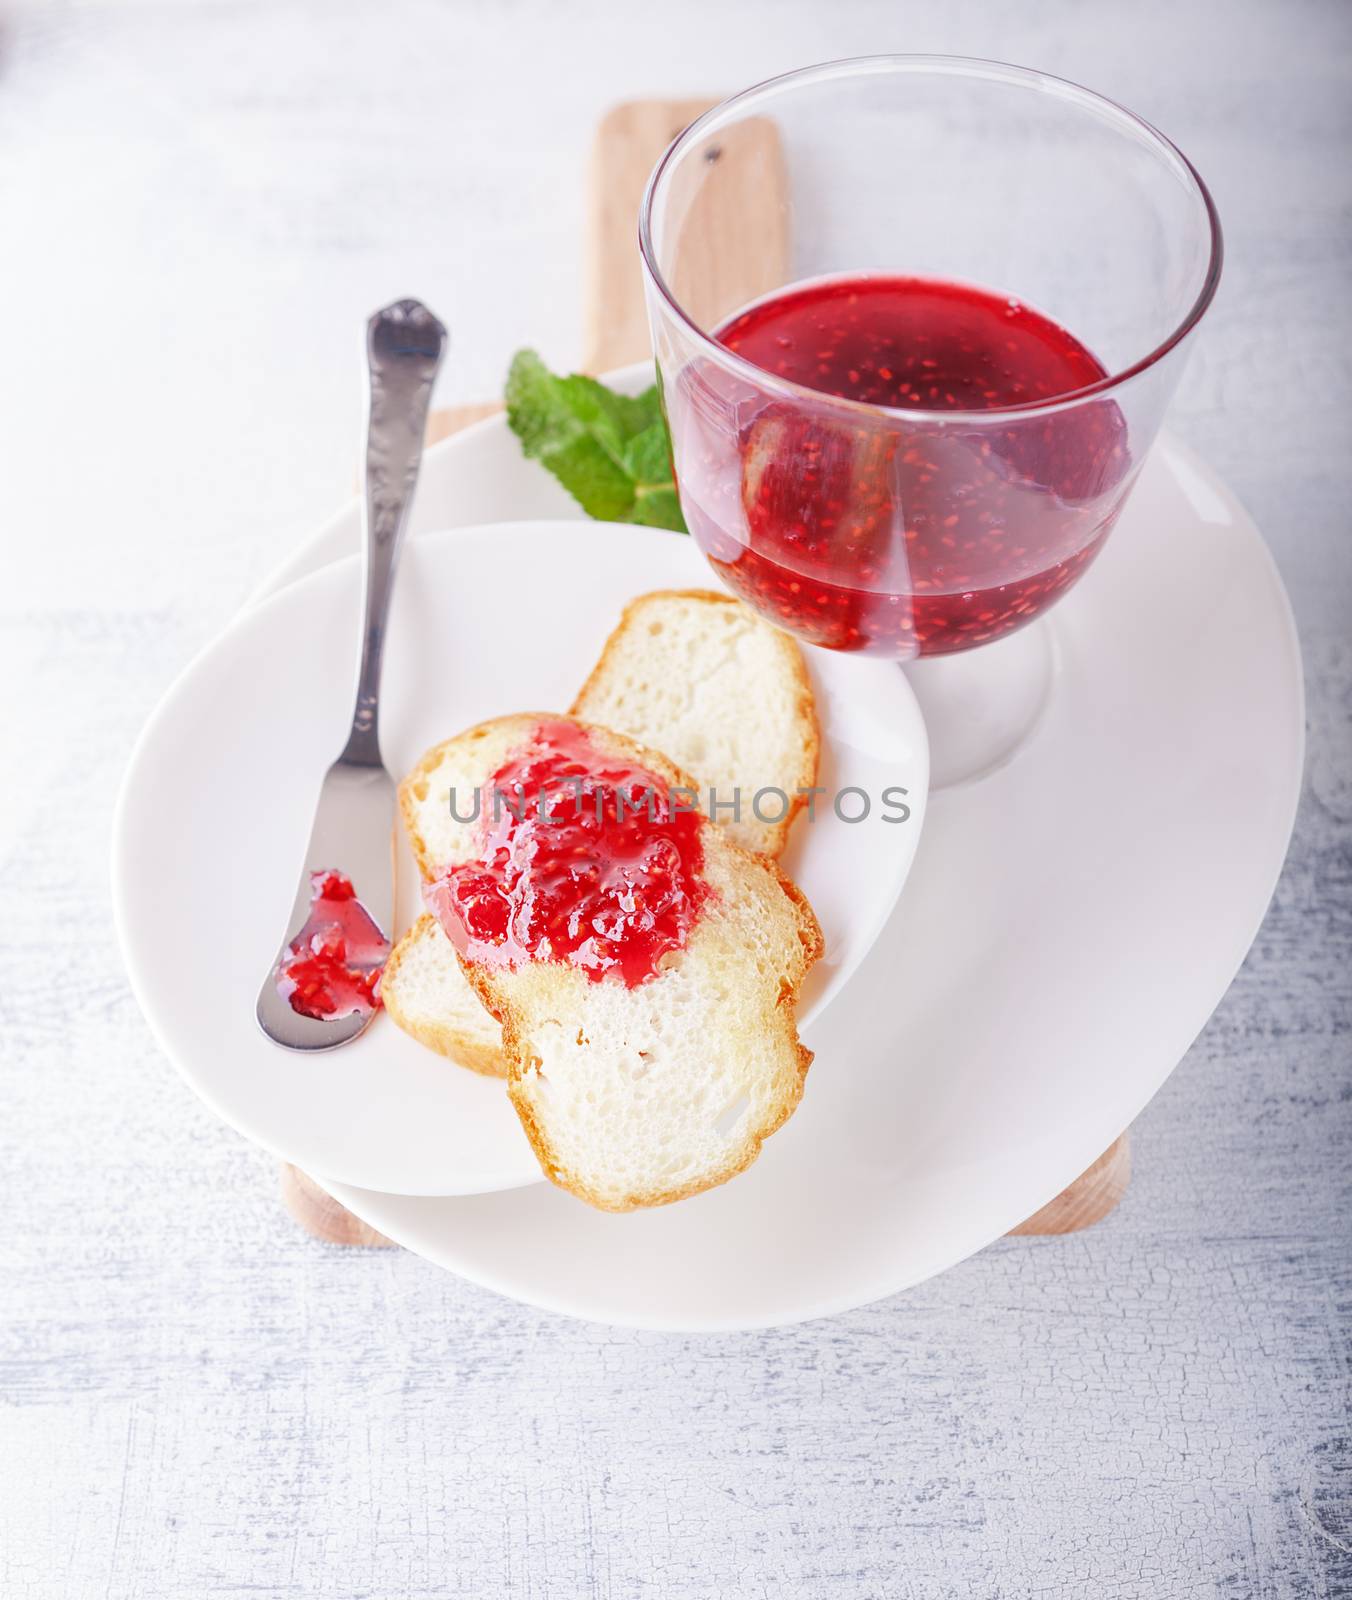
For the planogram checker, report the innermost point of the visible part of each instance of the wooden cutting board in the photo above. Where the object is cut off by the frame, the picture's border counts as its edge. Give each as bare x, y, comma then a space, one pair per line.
741, 202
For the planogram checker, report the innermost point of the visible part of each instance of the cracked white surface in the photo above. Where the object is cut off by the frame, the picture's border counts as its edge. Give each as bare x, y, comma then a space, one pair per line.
201, 203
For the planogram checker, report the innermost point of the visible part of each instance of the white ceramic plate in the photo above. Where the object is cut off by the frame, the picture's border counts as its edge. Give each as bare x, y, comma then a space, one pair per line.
216, 809
1071, 923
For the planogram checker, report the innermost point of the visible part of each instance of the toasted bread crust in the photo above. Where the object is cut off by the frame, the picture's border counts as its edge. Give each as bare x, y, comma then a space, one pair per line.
792, 656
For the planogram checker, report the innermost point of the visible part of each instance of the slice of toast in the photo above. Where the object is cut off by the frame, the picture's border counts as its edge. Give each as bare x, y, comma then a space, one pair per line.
644, 1095
428, 995
723, 694
693, 673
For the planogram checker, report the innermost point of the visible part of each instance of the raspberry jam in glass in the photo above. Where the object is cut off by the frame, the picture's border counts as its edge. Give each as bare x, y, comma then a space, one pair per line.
333, 965
899, 531
583, 859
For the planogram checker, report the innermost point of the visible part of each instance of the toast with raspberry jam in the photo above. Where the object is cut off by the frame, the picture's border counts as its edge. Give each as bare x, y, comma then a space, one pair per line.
644, 967
693, 673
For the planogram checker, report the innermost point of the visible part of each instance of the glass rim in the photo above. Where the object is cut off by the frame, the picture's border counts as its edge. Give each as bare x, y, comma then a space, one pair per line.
958, 66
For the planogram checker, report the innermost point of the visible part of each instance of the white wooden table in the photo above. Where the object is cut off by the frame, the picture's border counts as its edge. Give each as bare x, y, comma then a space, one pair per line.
200, 203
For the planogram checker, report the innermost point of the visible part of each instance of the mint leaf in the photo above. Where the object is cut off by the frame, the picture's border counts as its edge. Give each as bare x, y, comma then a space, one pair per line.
613, 417
647, 456
610, 451
657, 506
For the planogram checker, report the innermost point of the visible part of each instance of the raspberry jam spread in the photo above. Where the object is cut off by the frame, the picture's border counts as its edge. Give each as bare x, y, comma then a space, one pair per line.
333, 965
583, 858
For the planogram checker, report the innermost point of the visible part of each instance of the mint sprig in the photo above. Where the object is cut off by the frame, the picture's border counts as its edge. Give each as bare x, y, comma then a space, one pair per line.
610, 451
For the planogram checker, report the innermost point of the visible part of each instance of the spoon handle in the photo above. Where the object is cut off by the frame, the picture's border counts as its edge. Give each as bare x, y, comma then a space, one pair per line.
404, 347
